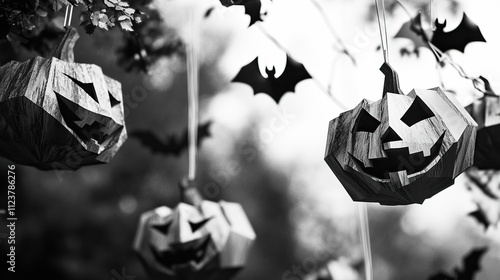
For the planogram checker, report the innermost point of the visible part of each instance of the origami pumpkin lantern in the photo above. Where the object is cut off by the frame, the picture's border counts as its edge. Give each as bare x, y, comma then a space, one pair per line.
208, 242
334, 270
401, 149
57, 114
486, 112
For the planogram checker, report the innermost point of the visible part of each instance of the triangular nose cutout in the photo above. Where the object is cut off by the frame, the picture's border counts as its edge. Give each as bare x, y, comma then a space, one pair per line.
162, 228
390, 135
197, 226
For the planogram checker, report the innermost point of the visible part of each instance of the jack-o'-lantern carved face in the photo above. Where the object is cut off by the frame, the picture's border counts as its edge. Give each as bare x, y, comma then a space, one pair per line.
190, 243
401, 149
58, 114
385, 140
486, 112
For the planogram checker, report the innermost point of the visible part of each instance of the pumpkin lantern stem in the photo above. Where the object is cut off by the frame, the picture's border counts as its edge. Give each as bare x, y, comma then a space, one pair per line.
391, 82
189, 194
64, 51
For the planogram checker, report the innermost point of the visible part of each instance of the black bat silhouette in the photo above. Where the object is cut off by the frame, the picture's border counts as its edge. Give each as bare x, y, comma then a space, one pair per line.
413, 30
174, 144
466, 32
470, 267
294, 73
252, 8
209, 12
476, 180
481, 218
471, 264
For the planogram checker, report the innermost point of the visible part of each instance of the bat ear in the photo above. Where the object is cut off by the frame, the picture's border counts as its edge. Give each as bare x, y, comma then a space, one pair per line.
440, 26
271, 72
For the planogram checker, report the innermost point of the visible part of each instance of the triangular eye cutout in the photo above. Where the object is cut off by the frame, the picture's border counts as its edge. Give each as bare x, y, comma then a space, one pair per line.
365, 122
417, 112
162, 228
390, 135
113, 100
88, 88
197, 226
67, 110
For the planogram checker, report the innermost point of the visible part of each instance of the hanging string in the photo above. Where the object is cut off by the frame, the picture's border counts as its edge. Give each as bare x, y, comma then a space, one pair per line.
365, 239
192, 72
443, 58
405, 9
476, 81
323, 88
362, 213
332, 30
433, 13
68, 15
382, 26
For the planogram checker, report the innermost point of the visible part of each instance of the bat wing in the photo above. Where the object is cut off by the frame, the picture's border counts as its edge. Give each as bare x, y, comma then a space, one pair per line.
470, 267
204, 131
174, 144
294, 73
457, 39
152, 142
250, 75
412, 30
209, 12
481, 218
181, 142
471, 264
252, 8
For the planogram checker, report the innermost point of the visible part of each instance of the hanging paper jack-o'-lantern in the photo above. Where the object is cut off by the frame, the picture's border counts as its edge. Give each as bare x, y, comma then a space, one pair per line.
209, 241
401, 149
340, 269
57, 114
486, 112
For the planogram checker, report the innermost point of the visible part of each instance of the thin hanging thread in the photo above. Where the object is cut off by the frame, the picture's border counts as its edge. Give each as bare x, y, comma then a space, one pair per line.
332, 30
382, 26
192, 72
444, 58
404, 9
324, 89
362, 211
432, 13
362, 214
365, 239
68, 15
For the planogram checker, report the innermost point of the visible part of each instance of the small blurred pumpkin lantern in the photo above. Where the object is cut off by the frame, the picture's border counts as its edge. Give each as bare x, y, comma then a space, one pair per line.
486, 112
57, 114
401, 149
340, 269
200, 240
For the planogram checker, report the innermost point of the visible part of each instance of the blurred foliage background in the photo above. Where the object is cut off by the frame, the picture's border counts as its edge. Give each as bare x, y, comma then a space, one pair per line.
80, 225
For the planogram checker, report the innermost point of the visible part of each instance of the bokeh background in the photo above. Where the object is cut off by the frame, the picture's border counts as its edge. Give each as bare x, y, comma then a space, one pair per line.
80, 225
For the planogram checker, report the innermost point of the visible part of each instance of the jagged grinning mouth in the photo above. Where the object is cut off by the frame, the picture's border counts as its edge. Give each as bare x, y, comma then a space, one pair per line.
85, 131
398, 160
171, 257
